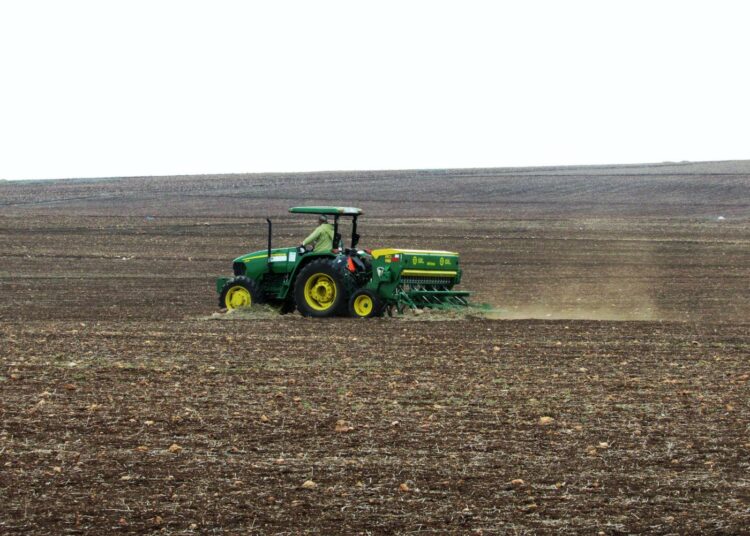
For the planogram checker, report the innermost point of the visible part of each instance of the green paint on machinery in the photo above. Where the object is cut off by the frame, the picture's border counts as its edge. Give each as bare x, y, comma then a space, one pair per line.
347, 281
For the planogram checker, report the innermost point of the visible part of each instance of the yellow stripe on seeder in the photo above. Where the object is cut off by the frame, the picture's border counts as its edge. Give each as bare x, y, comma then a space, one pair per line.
430, 273
388, 251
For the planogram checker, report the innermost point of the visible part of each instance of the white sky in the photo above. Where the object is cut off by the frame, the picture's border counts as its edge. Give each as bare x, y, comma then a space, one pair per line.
104, 88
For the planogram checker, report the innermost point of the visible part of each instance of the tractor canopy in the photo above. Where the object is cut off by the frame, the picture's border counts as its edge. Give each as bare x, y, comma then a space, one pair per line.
336, 212
329, 211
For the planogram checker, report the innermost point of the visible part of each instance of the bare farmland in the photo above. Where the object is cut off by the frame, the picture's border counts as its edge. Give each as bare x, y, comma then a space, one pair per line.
608, 392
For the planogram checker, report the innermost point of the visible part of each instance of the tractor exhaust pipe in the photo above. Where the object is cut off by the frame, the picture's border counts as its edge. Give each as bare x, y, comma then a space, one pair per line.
269, 240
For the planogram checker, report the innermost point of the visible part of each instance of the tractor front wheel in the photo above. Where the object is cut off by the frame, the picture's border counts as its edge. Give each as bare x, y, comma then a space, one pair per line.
365, 304
240, 292
321, 289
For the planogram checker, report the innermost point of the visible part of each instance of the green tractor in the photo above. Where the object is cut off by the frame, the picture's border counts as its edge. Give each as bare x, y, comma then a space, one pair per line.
361, 283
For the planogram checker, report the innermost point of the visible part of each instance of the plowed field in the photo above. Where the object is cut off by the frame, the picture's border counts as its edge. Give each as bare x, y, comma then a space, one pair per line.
607, 392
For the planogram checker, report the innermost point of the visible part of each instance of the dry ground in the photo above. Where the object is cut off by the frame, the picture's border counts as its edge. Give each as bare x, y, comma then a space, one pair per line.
125, 408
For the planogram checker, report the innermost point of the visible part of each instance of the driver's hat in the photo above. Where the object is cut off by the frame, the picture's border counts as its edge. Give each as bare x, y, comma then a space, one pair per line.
323, 218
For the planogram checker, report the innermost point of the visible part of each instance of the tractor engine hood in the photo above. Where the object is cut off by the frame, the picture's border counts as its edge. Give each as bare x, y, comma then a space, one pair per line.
277, 255
256, 263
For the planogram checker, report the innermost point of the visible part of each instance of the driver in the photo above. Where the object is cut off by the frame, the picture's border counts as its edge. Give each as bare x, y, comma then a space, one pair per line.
321, 237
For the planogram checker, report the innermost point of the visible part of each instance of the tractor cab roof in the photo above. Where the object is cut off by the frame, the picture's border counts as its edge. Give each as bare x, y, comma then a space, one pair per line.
329, 211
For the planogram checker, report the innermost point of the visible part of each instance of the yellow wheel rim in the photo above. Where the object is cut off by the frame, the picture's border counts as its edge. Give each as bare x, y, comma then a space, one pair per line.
238, 296
320, 292
362, 305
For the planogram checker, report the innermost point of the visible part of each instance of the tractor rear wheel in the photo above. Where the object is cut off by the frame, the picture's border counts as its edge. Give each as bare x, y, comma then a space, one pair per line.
365, 304
240, 292
322, 290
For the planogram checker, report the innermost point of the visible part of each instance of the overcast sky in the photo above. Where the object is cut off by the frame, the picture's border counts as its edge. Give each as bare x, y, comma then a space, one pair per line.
97, 88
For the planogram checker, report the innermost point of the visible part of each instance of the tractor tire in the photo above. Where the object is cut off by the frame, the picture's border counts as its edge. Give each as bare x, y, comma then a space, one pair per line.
240, 292
364, 303
322, 290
